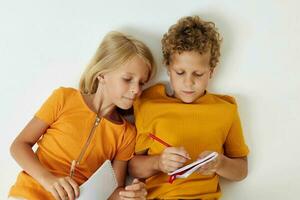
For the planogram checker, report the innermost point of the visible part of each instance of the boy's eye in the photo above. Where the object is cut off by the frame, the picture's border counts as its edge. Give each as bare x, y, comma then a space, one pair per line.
179, 73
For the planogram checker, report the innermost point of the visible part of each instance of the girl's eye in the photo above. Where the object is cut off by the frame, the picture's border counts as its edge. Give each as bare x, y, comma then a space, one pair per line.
127, 79
142, 84
198, 75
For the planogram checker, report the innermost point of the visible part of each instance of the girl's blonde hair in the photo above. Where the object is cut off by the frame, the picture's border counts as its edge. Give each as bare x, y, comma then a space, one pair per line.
114, 50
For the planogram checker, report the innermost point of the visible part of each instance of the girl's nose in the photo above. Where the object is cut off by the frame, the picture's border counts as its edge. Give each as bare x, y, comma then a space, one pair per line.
136, 89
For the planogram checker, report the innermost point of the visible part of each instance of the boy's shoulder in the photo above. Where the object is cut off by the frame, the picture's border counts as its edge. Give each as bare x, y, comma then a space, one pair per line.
153, 91
225, 104
225, 98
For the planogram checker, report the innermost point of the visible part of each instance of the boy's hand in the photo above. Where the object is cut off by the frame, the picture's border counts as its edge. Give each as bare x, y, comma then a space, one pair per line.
137, 190
62, 188
171, 159
211, 167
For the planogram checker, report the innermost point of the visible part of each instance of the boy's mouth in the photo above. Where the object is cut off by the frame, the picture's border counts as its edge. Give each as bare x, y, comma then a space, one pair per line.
188, 92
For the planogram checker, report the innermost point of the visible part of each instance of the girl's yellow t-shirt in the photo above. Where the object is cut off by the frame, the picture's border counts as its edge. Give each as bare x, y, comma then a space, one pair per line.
211, 123
70, 121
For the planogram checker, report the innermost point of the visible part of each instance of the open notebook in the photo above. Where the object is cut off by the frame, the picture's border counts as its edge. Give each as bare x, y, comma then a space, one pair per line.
100, 185
187, 170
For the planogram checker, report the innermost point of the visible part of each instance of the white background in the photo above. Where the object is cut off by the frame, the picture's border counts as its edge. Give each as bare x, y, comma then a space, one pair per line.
47, 44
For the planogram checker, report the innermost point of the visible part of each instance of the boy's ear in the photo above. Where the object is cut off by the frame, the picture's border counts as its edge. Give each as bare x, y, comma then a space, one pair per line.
168, 71
211, 71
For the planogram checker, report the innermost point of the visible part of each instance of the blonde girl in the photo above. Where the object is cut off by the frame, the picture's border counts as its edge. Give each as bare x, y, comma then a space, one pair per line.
77, 130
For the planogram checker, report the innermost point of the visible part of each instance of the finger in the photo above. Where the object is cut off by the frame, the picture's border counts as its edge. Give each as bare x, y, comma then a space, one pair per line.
128, 198
55, 193
173, 165
128, 194
177, 158
207, 173
204, 153
210, 165
132, 194
74, 186
68, 188
135, 181
179, 151
61, 192
169, 166
135, 187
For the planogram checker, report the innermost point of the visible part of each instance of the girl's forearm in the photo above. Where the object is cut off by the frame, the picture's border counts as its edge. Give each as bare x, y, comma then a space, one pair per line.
234, 169
28, 160
115, 195
143, 166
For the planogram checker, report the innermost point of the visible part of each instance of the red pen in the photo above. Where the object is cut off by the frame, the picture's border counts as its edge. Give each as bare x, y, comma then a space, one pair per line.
159, 140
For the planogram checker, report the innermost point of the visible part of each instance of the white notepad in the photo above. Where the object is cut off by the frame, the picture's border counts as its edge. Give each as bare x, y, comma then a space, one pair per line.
100, 185
187, 170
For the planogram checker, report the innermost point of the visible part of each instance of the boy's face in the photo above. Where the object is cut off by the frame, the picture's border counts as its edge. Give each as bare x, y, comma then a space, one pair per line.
189, 75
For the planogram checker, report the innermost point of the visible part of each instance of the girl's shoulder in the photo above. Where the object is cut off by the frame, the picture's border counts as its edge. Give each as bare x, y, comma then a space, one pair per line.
64, 92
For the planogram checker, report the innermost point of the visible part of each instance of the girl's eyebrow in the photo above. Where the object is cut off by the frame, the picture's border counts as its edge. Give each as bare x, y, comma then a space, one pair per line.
133, 74
129, 73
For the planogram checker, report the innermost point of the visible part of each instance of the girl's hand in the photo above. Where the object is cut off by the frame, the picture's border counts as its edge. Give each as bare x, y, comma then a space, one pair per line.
211, 167
137, 190
62, 188
172, 158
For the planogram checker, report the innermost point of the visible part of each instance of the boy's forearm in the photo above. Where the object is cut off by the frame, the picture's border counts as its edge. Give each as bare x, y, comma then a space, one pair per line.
234, 169
143, 166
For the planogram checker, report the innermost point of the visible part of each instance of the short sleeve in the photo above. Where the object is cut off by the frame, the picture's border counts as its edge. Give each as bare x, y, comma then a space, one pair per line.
52, 107
126, 150
143, 141
235, 145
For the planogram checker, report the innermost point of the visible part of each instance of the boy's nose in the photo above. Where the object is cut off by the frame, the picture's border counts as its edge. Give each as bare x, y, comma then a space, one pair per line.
188, 81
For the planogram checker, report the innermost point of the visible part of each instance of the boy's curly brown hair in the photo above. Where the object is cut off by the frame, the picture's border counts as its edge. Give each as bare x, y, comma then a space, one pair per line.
192, 34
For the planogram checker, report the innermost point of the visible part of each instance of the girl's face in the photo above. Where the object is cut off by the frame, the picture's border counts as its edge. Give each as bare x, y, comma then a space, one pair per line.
189, 75
123, 85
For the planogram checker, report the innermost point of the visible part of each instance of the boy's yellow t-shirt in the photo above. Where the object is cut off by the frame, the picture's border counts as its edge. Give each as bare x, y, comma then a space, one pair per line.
211, 123
70, 121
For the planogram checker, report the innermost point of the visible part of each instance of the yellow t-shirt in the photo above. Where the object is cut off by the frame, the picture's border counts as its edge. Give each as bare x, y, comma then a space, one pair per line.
70, 121
210, 123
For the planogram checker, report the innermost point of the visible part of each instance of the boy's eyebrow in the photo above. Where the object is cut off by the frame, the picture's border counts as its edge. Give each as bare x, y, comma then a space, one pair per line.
195, 71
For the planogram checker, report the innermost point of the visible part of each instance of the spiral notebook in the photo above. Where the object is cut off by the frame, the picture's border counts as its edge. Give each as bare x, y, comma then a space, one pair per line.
100, 185
187, 170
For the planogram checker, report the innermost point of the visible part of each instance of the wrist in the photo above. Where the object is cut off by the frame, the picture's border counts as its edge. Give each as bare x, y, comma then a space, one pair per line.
220, 163
156, 163
44, 178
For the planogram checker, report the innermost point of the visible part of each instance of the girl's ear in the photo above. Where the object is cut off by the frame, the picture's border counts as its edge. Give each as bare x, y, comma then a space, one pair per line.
101, 79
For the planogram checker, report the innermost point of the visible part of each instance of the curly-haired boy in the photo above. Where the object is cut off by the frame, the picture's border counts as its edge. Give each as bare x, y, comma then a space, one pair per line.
191, 120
